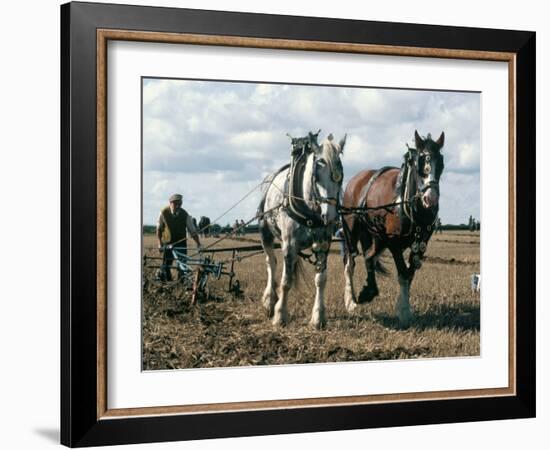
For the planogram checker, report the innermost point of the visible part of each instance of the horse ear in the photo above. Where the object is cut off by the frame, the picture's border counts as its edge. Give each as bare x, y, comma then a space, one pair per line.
315, 135
441, 140
342, 143
419, 143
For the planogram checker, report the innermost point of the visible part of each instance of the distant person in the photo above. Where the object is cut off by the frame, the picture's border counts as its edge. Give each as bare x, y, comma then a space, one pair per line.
438, 226
475, 282
242, 227
172, 226
204, 226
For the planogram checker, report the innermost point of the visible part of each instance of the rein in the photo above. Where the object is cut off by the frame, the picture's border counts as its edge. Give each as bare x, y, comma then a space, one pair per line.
298, 208
408, 176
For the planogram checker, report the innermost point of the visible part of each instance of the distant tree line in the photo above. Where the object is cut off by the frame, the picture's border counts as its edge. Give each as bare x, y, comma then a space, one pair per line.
473, 224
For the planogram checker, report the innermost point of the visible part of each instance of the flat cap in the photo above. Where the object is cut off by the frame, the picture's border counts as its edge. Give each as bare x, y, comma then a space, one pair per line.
175, 198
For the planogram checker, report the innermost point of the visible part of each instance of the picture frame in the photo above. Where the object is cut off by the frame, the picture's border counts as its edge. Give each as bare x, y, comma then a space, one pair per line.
86, 28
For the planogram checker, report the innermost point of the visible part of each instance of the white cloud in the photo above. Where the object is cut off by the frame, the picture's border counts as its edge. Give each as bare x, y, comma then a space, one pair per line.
212, 140
468, 156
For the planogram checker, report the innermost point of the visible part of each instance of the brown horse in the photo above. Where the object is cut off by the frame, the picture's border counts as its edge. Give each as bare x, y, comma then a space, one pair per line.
393, 209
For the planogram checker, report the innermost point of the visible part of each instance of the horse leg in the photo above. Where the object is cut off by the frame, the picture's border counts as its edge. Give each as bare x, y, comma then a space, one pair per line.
370, 289
318, 319
269, 297
349, 294
350, 300
404, 276
280, 316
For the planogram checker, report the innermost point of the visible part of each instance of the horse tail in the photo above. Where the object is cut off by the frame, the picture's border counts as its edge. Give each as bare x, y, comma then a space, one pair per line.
299, 272
380, 268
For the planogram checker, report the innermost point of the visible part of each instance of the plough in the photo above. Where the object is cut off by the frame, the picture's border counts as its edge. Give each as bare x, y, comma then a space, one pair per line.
194, 271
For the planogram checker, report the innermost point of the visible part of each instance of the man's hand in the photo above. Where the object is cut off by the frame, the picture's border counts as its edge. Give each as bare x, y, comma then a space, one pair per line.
161, 247
200, 248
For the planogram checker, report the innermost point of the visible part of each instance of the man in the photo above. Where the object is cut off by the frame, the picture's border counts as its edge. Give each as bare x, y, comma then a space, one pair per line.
172, 226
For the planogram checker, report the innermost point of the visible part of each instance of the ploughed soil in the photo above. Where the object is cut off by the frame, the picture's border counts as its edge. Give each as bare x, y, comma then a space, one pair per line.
225, 329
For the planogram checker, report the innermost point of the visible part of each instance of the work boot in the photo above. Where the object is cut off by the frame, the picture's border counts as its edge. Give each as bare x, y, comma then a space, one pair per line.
167, 275
163, 274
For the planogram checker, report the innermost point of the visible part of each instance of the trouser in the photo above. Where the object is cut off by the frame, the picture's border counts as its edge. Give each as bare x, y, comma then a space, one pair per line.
167, 260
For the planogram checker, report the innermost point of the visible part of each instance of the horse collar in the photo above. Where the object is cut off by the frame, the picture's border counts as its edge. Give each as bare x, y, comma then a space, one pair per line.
296, 205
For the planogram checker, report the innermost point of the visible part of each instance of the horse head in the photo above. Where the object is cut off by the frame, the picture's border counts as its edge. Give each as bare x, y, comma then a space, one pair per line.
328, 174
430, 167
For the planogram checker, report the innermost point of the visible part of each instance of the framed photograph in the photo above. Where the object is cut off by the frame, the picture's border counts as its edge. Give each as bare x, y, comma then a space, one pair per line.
277, 224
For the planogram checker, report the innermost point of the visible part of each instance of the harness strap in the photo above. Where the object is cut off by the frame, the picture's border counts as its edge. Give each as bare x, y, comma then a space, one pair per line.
366, 189
261, 206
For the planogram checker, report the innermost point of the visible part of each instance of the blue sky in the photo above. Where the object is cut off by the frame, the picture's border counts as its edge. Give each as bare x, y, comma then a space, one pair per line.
213, 141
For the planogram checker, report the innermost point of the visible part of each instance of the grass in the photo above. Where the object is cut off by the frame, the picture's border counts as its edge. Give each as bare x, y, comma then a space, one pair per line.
234, 331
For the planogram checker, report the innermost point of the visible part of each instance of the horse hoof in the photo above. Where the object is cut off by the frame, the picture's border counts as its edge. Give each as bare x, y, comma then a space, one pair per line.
404, 324
367, 294
280, 320
318, 321
350, 302
405, 318
269, 306
351, 305
318, 325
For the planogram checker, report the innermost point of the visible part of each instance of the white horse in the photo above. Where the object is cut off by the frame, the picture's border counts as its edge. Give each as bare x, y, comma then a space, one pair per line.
299, 208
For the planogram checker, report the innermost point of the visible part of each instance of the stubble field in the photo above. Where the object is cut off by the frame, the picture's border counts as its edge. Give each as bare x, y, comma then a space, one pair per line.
226, 330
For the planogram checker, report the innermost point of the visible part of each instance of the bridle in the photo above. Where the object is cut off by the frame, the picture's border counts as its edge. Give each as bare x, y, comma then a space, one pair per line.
335, 176
412, 159
410, 199
421, 230
302, 148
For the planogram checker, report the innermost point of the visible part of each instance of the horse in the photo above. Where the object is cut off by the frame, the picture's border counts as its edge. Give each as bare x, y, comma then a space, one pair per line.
204, 226
299, 207
393, 209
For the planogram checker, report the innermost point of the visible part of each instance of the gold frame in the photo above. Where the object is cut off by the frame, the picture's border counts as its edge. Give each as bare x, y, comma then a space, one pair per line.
103, 36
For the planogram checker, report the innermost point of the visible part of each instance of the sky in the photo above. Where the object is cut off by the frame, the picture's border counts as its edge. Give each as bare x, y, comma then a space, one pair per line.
214, 141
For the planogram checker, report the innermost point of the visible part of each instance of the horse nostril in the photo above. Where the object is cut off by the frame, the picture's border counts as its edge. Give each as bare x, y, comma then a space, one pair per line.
426, 199
429, 199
